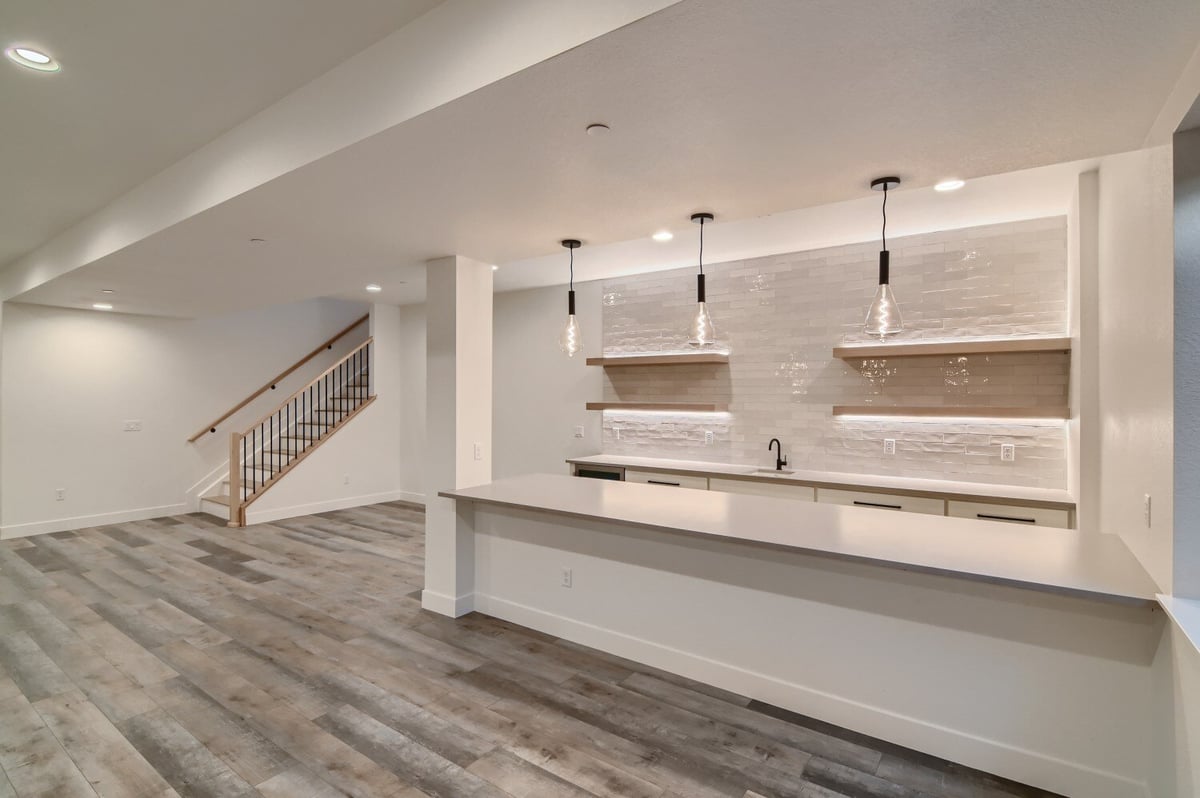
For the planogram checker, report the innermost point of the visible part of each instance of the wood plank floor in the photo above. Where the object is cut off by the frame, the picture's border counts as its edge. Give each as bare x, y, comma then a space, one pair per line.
176, 657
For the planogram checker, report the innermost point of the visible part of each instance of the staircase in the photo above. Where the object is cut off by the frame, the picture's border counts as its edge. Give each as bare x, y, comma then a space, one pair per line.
268, 449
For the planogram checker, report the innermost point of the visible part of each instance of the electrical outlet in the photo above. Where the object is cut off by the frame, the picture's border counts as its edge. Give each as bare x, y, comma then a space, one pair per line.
1008, 452
579, 431
566, 577
889, 445
708, 437
132, 425
346, 479
617, 432
60, 494
479, 451
1146, 508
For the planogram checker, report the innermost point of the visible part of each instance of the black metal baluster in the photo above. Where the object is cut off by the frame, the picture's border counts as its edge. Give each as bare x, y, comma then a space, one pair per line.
242, 487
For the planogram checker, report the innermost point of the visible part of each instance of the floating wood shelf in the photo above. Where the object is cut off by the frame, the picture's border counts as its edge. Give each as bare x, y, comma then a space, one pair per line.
966, 346
956, 411
679, 407
659, 360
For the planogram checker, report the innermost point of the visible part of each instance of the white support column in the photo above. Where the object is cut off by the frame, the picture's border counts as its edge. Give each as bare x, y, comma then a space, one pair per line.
458, 439
1186, 555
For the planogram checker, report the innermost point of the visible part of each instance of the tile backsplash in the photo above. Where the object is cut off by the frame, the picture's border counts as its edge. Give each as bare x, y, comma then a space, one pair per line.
780, 317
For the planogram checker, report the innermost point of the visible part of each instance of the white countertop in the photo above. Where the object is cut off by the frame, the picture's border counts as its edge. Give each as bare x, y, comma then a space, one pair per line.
1061, 561
968, 491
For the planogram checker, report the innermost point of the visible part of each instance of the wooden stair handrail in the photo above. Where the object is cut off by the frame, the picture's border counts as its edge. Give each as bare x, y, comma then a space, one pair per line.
207, 428
311, 383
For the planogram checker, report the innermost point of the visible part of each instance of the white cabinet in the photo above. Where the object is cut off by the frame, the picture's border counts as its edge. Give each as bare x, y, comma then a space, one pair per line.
1010, 513
882, 501
779, 490
671, 480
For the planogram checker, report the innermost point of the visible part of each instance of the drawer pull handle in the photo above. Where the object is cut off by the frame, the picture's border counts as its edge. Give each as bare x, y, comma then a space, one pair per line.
876, 504
987, 517
659, 482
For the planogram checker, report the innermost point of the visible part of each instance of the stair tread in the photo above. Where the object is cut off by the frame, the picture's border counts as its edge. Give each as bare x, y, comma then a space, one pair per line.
216, 499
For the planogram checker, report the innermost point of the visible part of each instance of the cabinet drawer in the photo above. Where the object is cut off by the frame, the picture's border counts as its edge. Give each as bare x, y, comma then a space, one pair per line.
804, 493
882, 501
1010, 513
671, 480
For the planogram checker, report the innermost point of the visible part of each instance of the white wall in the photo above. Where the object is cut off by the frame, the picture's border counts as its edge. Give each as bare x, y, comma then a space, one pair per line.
1176, 707
540, 392
70, 378
360, 464
1135, 336
412, 402
1186, 552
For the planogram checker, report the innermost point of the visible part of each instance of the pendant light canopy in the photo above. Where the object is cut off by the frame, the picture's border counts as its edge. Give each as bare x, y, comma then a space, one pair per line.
883, 317
571, 341
701, 333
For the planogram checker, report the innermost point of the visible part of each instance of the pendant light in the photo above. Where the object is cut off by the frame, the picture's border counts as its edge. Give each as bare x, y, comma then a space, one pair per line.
701, 333
883, 317
571, 341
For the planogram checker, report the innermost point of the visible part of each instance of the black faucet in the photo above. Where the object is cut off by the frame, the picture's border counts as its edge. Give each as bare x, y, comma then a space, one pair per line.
780, 460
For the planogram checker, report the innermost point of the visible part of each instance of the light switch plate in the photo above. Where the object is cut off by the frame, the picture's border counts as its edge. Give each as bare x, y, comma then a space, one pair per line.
708, 437
579, 431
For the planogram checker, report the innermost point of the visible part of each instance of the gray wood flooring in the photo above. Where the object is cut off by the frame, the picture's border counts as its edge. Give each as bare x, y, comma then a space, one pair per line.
177, 657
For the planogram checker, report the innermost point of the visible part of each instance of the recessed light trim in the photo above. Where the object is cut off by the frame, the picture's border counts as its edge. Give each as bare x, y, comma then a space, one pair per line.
663, 236
950, 185
32, 59
597, 129
374, 288
101, 306
107, 291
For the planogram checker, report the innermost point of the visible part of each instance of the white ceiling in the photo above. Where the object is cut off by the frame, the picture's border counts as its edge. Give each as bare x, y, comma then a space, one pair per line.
746, 109
143, 84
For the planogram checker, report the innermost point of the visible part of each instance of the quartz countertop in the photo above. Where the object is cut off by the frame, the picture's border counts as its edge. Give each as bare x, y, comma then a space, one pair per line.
1068, 562
966, 491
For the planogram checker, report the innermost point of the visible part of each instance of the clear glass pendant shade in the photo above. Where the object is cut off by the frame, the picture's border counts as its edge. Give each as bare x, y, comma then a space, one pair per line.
702, 332
883, 317
571, 341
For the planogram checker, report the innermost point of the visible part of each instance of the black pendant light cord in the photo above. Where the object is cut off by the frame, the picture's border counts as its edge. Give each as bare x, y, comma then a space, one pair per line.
572, 285
702, 246
885, 190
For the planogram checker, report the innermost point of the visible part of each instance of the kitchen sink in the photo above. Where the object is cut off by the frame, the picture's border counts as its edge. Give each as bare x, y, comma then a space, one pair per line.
769, 472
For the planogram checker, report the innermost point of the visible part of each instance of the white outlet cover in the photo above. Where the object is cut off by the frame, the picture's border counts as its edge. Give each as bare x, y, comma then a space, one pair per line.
579, 431
1008, 452
567, 577
708, 437
479, 451
889, 445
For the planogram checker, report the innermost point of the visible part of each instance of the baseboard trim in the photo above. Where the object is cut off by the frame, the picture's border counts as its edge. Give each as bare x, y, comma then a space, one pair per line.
1030, 767
411, 497
450, 606
266, 516
85, 521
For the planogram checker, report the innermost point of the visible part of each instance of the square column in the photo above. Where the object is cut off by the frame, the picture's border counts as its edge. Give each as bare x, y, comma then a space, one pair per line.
458, 437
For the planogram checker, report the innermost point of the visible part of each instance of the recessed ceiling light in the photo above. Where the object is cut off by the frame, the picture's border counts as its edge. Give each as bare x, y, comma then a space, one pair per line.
950, 185
374, 288
32, 59
258, 241
107, 291
495, 268
101, 306
597, 129
663, 235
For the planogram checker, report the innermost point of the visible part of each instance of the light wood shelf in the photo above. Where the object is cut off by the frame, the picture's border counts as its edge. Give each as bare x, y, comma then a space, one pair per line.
680, 407
966, 346
685, 358
956, 411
